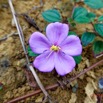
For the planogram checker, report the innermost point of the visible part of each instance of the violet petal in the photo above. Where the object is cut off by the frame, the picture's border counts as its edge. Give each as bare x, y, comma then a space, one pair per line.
64, 63
57, 32
45, 62
71, 46
38, 43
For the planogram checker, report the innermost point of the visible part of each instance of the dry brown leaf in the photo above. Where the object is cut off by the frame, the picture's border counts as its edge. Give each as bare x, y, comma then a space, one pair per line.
93, 100
91, 74
89, 89
73, 98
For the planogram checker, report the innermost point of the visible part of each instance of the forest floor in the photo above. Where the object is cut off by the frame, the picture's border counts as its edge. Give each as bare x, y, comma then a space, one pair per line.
13, 77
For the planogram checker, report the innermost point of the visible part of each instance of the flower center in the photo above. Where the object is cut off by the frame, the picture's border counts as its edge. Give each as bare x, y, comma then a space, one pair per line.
55, 48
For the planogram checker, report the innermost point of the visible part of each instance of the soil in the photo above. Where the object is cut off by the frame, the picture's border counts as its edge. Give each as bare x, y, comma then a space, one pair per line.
13, 78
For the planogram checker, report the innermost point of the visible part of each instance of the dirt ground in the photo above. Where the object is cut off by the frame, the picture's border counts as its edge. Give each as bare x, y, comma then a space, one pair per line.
12, 59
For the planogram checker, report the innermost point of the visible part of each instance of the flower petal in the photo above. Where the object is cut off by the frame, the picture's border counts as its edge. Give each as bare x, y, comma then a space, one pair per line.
45, 62
38, 42
64, 63
71, 46
57, 32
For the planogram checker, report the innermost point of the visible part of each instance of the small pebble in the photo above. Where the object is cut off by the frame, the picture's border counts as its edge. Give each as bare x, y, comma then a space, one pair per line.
100, 83
75, 87
74, 90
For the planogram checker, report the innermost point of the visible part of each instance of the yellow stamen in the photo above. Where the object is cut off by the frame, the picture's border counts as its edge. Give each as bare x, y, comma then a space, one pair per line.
55, 48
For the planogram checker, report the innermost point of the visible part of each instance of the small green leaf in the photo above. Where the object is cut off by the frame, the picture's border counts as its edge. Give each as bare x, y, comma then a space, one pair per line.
87, 38
95, 4
82, 19
72, 33
77, 59
71, 22
31, 53
81, 15
99, 29
91, 16
78, 12
98, 47
75, 0
100, 18
51, 15
1, 87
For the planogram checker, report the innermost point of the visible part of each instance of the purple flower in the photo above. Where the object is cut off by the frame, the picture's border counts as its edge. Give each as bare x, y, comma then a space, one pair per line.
56, 49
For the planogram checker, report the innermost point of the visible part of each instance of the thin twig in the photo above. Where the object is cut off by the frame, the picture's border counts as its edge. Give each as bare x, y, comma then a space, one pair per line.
7, 36
29, 66
56, 85
31, 21
33, 93
86, 70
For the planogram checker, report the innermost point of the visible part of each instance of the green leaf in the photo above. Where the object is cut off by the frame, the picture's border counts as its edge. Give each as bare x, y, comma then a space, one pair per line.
75, 0
87, 38
100, 18
99, 29
71, 22
31, 53
72, 33
98, 47
81, 15
82, 19
1, 87
51, 15
95, 4
77, 59
79, 11
91, 16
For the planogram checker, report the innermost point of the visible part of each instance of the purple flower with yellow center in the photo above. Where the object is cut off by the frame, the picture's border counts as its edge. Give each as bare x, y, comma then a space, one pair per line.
56, 49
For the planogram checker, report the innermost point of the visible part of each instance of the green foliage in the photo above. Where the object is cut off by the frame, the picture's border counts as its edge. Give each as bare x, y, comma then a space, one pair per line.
91, 16
81, 15
71, 22
95, 4
77, 59
98, 47
72, 33
99, 29
31, 53
100, 18
87, 38
75, 0
78, 12
1, 87
51, 15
